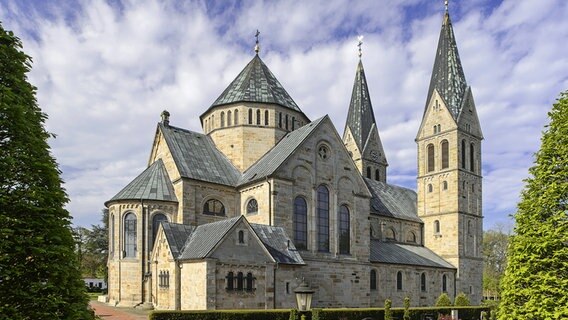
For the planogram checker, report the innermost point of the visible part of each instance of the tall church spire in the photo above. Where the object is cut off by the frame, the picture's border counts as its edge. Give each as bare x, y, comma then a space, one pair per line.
447, 75
361, 135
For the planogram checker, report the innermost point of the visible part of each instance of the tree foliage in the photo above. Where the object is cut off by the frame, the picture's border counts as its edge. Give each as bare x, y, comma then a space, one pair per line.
39, 274
92, 248
494, 260
461, 300
443, 300
388, 311
535, 285
406, 315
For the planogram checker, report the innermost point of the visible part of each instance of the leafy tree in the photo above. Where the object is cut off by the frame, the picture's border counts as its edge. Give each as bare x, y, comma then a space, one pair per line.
406, 315
494, 259
535, 285
462, 300
92, 247
39, 274
443, 300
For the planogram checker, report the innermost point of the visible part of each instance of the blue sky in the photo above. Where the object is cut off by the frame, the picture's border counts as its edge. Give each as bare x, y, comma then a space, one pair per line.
106, 69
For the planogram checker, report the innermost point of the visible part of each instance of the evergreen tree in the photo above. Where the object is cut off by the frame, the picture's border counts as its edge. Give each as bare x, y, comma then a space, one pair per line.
39, 274
535, 284
461, 300
406, 315
443, 300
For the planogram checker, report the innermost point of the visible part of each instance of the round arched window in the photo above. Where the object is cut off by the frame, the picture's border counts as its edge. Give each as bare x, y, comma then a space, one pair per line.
252, 206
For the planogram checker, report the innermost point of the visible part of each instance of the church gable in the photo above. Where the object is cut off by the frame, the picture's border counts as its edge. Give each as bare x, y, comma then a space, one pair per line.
161, 150
241, 245
468, 120
437, 118
373, 149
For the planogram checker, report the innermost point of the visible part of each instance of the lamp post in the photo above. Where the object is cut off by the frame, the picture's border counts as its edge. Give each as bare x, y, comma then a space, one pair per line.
304, 298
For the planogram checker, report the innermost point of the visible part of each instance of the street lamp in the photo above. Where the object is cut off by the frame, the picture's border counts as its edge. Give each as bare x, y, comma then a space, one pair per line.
304, 297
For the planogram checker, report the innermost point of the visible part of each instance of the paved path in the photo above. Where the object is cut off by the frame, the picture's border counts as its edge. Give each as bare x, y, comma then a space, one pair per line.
106, 312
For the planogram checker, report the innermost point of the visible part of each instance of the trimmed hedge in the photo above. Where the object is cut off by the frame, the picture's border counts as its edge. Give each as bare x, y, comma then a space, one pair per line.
278, 314
465, 313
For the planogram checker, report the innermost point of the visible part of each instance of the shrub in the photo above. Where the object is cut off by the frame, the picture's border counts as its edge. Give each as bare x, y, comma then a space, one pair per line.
388, 314
221, 315
461, 300
443, 300
406, 315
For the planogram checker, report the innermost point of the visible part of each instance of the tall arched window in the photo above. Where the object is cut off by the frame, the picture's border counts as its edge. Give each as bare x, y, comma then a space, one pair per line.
436, 227
230, 281
236, 116
471, 157
266, 117
279, 119
214, 207
377, 175
344, 230
373, 279
240, 281
399, 280
323, 219
390, 234
229, 118
156, 220
445, 185
445, 154
212, 122
250, 116
423, 282
222, 119
369, 172
250, 279
130, 235
463, 154
286, 123
258, 116
300, 223
444, 283
111, 231
430, 188
431, 157
293, 122
252, 206
241, 237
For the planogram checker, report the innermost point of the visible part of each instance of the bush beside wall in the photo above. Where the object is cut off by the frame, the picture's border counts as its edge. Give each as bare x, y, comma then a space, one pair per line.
279, 314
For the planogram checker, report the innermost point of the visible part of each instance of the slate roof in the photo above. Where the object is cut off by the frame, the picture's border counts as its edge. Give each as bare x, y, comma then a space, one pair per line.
360, 118
392, 201
152, 184
205, 237
274, 158
278, 244
177, 235
196, 157
447, 75
256, 83
406, 254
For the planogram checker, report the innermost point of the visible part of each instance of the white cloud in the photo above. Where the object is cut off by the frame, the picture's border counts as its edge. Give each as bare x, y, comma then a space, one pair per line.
105, 72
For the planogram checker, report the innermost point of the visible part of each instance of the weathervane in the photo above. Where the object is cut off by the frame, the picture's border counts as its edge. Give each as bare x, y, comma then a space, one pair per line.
257, 46
359, 43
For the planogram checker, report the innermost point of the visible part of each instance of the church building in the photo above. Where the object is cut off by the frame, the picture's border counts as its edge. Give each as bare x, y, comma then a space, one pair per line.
236, 216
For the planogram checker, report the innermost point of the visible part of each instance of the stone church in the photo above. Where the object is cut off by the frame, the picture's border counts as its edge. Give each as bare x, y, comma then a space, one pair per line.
236, 216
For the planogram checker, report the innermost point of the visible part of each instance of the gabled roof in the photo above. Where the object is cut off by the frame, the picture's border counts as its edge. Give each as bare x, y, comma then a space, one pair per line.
392, 201
360, 118
196, 157
406, 254
447, 75
274, 158
177, 235
205, 238
256, 83
152, 184
278, 244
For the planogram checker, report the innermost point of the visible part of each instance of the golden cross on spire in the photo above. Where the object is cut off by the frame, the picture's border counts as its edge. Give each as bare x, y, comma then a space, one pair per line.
257, 46
446, 5
359, 43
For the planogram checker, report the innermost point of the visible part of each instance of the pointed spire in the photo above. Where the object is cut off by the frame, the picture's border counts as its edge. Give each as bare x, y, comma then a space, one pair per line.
447, 75
360, 118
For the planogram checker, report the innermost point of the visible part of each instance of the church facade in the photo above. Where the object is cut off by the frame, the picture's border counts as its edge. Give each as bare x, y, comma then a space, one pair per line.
236, 216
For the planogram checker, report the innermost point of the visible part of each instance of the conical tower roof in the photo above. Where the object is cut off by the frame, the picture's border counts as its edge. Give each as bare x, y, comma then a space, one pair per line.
447, 75
256, 83
360, 118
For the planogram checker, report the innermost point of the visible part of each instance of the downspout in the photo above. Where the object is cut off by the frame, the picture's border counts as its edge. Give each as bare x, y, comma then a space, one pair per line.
274, 286
269, 202
143, 251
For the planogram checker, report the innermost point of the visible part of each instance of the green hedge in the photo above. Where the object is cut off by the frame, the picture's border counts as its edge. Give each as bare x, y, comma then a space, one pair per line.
279, 314
465, 313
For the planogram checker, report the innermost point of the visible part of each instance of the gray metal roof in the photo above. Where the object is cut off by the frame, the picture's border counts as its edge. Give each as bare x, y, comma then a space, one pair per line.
196, 157
205, 238
278, 244
447, 75
266, 165
152, 184
406, 254
392, 201
360, 118
177, 235
256, 83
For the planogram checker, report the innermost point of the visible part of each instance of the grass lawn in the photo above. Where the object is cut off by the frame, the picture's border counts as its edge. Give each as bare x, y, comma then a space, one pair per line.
93, 295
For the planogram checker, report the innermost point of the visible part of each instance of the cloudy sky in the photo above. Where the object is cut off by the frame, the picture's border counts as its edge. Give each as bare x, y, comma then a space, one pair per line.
106, 69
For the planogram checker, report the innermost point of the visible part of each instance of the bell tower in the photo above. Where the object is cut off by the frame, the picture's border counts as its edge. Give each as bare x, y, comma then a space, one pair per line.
449, 168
